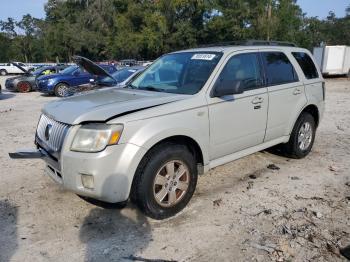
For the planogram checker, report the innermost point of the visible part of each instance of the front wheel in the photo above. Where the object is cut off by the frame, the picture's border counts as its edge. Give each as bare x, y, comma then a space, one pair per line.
165, 181
302, 138
62, 90
23, 87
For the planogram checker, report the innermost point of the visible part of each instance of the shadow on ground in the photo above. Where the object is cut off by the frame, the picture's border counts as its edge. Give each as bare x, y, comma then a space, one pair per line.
4, 96
8, 230
114, 234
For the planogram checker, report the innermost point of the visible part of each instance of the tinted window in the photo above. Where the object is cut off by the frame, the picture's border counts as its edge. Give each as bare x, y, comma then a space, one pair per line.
244, 68
279, 69
306, 64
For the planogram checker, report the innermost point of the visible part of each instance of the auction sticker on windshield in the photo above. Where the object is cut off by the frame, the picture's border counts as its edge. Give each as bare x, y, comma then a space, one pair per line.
203, 57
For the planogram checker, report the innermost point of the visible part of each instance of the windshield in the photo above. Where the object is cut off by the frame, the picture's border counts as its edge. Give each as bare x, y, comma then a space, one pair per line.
69, 70
180, 73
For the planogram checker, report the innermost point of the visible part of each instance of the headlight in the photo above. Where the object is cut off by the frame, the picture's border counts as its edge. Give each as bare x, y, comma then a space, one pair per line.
51, 81
96, 137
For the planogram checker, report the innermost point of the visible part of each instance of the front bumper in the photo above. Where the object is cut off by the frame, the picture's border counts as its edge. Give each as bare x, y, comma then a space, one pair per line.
112, 169
10, 85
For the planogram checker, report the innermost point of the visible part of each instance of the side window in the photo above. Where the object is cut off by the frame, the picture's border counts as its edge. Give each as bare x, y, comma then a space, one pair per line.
244, 68
279, 70
306, 64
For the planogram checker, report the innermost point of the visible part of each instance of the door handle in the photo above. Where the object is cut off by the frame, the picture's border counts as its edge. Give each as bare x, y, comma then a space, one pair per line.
297, 91
257, 100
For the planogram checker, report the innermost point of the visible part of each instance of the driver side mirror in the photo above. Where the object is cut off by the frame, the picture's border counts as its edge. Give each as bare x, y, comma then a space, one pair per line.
76, 73
224, 87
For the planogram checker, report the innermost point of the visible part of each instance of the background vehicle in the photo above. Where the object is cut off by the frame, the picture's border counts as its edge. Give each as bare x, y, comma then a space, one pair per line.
121, 77
60, 84
187, 113
333, 60
14, 68
27, 82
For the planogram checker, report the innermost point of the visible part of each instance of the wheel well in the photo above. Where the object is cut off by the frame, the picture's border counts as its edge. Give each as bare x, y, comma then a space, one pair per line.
190, 143
313, 110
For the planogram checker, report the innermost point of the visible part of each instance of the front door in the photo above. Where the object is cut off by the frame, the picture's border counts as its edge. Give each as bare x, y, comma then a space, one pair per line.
238, 121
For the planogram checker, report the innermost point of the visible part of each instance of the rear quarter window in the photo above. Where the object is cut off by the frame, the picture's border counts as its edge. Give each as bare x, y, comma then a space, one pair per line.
306, 64
278, 69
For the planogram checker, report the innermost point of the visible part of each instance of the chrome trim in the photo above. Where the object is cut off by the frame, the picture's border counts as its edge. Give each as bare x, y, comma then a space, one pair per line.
57, 134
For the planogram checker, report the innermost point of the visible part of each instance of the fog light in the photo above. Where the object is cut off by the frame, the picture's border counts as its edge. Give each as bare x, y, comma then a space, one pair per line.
87, 181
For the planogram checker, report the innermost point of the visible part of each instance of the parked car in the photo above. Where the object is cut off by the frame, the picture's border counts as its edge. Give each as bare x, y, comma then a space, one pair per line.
187, 113
333, 60
15, 68
60, 84
27, 82
117, 79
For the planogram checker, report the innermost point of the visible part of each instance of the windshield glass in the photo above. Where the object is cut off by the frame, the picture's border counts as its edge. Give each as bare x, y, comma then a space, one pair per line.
180, 73
69, 70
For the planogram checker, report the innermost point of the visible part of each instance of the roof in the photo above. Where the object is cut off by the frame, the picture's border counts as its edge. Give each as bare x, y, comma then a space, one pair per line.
229, 49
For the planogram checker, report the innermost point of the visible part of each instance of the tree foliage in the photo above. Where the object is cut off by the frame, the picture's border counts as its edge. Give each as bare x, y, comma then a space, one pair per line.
145, 29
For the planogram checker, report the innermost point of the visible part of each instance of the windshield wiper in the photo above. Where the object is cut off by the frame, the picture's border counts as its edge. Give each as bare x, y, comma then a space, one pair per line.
130, 86
152, 88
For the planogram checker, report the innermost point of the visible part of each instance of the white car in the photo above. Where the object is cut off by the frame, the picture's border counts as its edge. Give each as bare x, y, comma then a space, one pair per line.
14, 68
187, 113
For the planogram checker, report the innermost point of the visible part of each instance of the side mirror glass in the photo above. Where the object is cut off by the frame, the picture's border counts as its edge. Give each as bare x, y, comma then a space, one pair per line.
224, 87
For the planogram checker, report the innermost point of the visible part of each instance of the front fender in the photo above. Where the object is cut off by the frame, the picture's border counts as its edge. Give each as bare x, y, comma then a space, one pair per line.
147, 133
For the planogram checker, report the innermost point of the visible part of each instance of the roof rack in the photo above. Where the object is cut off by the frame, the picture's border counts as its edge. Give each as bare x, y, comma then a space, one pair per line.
251, 43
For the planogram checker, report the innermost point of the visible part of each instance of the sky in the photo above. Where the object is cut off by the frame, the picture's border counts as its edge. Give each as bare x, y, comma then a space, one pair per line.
18, 8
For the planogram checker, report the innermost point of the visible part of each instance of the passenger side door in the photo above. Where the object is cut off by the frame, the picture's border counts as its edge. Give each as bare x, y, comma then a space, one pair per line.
286, 93
238, 121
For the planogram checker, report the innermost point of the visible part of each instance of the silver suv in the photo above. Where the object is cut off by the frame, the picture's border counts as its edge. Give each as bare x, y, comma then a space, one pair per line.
187, 113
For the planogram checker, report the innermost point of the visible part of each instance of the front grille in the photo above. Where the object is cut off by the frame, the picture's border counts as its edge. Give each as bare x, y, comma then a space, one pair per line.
56, 135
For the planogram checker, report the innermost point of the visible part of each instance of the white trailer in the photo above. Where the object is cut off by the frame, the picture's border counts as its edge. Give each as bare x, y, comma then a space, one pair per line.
333, 60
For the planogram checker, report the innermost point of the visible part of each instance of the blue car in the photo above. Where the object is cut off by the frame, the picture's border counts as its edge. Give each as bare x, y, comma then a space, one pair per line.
60, 84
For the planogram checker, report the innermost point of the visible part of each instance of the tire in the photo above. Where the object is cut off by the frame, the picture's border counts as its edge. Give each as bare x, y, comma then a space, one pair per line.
62, 90
24, 87
163, 198
3, 72
300, 134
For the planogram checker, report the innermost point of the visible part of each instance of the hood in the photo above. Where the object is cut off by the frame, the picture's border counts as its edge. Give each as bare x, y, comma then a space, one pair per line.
102, 105
91, 67
18, 66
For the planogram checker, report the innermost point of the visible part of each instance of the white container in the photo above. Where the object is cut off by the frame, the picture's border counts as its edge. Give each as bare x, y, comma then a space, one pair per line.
333, 60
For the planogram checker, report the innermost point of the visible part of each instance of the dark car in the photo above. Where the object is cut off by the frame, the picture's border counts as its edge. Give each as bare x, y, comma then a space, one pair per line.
60, 84
27, 82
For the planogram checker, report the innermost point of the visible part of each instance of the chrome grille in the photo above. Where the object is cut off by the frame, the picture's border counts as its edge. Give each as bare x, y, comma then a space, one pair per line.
57, 133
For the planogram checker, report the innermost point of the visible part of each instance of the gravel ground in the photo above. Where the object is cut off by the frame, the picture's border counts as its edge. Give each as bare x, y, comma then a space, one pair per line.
247, 210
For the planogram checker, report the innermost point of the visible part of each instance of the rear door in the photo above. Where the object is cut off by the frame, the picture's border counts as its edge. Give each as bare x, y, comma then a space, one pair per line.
286, 93
313, 81
238, 121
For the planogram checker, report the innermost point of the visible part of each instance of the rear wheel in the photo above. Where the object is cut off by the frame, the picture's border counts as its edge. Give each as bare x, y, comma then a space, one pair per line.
302, 138
165, 181
62, 90
3, 72
23, 87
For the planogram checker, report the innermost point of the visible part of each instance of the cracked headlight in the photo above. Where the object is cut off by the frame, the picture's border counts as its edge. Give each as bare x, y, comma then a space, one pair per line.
96, 137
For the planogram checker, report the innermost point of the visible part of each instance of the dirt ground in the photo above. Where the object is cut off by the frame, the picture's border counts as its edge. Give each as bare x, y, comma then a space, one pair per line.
242, 211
